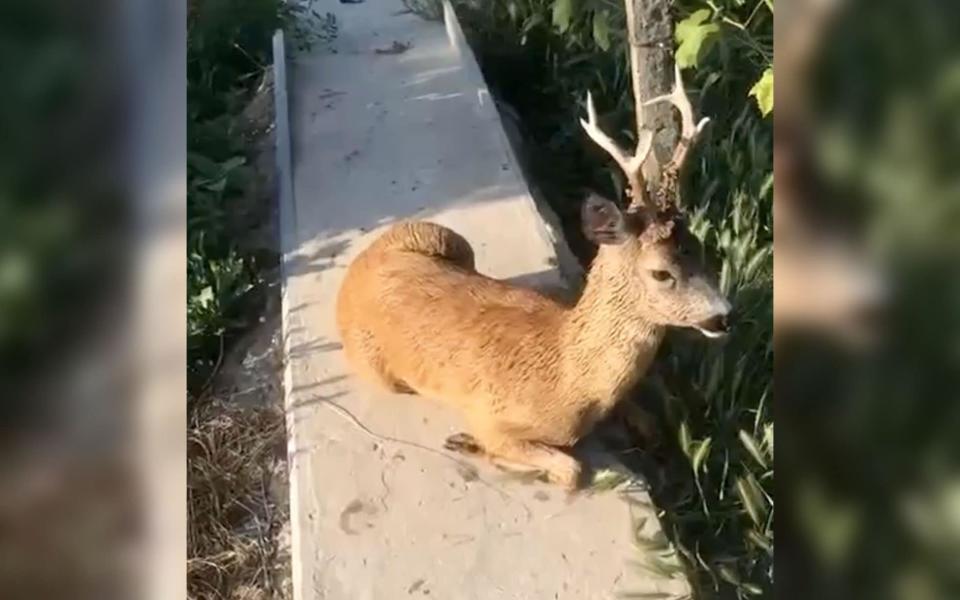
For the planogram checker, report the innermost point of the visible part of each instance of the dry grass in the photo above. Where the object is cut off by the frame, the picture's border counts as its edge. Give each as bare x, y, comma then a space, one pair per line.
236, 522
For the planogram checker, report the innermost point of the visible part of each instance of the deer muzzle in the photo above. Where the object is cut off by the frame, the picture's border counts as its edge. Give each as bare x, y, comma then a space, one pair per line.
718, 324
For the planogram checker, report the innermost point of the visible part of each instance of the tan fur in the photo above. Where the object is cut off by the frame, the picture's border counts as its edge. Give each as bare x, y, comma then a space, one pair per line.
530, 374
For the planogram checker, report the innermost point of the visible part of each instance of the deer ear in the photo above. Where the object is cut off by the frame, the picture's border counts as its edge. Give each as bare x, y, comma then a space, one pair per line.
602, 220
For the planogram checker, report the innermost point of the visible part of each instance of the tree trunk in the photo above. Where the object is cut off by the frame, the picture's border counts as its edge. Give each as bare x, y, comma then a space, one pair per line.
650, 39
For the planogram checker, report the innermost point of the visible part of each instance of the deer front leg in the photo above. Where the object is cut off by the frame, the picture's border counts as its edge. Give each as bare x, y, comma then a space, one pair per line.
520, 455
560, 467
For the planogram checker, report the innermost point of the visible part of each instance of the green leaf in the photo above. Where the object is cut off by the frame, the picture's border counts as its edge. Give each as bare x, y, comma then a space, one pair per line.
204, 166
232, 163
749, 491
702, 451
725, 269
205, 297
754, 265
218, 185
601, 30
716, 375
562, 14
760, 540
752, 589
753, 448
767, 184
607, 479
728, 574
667, 569
762, 90
694, 38
685, 440
532, 21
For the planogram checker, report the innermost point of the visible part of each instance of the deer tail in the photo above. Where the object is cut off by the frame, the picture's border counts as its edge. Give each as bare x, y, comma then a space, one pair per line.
428, 239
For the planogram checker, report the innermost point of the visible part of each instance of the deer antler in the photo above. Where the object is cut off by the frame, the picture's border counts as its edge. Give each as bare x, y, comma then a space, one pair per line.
630, 164
689, 131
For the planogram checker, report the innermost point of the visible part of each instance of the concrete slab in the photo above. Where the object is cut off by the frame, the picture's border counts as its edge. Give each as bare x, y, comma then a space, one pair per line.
393, 120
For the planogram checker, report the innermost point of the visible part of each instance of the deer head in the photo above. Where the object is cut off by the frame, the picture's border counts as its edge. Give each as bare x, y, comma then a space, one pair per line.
646, 248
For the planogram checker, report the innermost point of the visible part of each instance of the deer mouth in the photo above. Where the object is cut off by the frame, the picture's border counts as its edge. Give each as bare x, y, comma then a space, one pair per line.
714, 327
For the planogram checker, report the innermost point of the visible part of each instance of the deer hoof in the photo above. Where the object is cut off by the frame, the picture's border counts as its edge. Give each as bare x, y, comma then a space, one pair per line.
463, 443
567, 476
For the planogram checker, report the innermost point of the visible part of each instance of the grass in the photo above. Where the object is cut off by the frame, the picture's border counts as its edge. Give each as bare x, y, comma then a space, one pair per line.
235, 455
714, 480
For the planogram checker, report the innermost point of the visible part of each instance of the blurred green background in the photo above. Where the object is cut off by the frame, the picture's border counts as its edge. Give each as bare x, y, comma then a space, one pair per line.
870, 486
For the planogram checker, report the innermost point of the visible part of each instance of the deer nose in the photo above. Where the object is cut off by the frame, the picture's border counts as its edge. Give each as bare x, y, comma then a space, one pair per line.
717, 324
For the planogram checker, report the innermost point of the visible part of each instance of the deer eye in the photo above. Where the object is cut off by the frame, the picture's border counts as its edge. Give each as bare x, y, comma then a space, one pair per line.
661, 276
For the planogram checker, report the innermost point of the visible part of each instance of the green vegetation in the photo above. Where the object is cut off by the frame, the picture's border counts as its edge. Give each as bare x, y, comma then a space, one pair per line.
228, 53
228, 47
715, 482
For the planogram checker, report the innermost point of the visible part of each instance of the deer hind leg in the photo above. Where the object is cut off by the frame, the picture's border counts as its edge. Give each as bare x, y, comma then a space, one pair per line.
369, 362
520, 455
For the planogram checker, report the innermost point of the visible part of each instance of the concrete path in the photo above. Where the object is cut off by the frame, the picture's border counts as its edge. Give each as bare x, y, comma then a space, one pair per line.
393, 120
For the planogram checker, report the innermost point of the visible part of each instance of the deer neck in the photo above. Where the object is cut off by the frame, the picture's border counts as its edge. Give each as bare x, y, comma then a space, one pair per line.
607, 345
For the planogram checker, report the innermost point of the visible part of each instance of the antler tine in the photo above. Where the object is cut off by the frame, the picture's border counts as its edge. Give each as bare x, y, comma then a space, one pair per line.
630, 164
689, 130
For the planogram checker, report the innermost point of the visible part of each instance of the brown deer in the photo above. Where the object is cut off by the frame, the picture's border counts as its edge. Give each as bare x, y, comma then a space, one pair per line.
531, 375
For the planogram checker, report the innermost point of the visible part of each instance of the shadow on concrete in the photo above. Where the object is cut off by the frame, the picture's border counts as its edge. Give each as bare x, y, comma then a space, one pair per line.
317, 261
319, 345
318, 384
394, 144
315, 401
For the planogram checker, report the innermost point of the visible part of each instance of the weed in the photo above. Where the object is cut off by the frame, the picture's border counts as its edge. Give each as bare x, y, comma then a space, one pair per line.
228, 53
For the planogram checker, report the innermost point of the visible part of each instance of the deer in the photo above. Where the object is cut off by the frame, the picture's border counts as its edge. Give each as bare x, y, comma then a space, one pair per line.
533, 375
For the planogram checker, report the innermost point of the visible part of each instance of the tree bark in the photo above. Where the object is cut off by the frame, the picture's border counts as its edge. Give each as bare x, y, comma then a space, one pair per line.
650, 40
